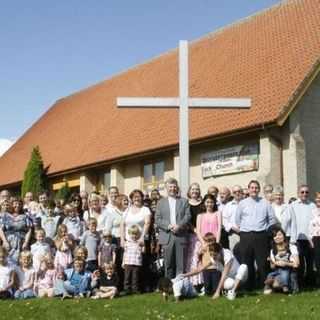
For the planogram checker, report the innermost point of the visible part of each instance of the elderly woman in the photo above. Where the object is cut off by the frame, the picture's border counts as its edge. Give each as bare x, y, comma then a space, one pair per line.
96, 211
286, 219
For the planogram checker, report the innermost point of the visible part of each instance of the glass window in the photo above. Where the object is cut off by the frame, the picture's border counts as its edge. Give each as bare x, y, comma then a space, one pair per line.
153, 176
147, 173
107, 180
159, 171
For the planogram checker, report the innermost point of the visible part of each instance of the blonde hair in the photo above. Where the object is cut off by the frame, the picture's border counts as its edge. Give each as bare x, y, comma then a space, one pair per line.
78, 248
93, 220
194, 184
134, 230
40, 230
27, 255
60, 229
94, 196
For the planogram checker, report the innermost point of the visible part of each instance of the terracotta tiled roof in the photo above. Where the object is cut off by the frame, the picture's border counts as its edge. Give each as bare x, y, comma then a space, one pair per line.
266, 57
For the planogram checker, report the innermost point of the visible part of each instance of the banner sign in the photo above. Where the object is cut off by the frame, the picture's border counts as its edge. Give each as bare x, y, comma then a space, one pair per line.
230, 160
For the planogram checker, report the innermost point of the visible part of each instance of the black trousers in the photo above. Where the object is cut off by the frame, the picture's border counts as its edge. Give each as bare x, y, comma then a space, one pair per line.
255, 247
316, 243
224, 239
131, 278
305, 271
211, 278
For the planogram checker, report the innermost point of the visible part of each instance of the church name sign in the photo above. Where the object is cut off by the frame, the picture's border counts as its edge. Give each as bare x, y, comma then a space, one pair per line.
235, 159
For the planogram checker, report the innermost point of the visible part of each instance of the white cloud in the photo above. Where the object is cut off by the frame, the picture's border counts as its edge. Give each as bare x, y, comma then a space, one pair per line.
5, 144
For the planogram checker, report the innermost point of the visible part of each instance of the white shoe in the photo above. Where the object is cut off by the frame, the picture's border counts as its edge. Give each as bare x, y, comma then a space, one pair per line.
231, 295
267, 290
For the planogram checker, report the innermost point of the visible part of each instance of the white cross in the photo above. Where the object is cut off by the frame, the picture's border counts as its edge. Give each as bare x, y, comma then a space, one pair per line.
183, 102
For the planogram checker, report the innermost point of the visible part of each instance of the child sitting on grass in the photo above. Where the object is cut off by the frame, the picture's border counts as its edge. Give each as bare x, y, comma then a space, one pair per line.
105, 282
74, 282
25, 276
6, 275
45, 279
284, 260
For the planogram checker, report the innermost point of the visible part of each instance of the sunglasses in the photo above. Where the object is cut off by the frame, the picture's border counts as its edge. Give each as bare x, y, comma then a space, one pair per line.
304, 192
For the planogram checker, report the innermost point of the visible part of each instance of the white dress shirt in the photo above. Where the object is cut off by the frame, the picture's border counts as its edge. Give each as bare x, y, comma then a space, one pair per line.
172, 206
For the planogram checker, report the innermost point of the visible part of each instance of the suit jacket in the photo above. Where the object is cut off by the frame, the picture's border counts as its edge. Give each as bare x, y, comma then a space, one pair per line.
162, 219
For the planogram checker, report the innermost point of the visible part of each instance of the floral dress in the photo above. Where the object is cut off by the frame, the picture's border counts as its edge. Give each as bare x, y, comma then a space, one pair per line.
15, 229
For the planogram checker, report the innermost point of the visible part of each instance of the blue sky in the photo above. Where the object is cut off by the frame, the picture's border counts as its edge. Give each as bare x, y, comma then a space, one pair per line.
50, 49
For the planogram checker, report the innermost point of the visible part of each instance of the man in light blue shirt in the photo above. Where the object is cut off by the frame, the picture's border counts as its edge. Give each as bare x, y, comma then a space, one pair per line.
301, 210
254, 216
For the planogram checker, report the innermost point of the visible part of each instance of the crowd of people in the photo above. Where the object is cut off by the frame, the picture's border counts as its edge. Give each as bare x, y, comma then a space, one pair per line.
109, 245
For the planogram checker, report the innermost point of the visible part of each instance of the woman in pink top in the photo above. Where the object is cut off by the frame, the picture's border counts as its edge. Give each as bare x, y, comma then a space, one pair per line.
211, 220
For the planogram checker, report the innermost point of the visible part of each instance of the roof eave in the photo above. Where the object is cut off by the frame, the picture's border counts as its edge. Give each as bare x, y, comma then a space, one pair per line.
299, 93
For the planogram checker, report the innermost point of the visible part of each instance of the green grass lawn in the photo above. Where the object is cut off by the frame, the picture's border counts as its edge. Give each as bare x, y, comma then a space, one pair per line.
303, 306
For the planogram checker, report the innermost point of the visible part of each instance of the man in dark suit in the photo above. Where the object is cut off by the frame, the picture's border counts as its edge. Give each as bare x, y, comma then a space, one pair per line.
172, 217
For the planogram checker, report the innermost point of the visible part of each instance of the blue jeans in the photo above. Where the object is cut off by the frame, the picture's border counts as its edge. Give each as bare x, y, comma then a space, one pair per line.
282, 276
65, 287
25, 294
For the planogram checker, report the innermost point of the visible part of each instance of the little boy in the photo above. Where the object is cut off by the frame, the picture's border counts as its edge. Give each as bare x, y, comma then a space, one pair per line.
74, 282
106, 283
91, 240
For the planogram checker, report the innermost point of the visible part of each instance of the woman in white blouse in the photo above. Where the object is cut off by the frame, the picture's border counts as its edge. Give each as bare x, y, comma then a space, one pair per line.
114, 214
136, 214
96, 211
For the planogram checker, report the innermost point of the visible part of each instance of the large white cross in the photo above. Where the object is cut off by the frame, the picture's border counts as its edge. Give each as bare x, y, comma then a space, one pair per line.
183, 102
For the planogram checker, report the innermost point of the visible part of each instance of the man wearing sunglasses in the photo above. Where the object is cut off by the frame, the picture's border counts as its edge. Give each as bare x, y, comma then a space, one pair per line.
301, 209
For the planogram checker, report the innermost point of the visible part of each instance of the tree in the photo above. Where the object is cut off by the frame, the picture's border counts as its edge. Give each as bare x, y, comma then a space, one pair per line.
35, 176
64, 192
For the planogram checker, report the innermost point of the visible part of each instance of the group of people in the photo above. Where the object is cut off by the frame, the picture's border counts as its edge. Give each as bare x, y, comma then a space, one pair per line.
107, 245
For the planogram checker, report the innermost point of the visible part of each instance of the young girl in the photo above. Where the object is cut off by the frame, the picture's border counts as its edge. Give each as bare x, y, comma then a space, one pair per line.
6, 275
232, 274
45, 279
73, 222
106, 282
132, 260
314, 236
211, 220
107, 250
26, 276
284, 258
40, 248
64, 246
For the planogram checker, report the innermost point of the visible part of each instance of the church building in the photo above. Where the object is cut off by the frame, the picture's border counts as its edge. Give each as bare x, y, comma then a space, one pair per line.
272, 57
